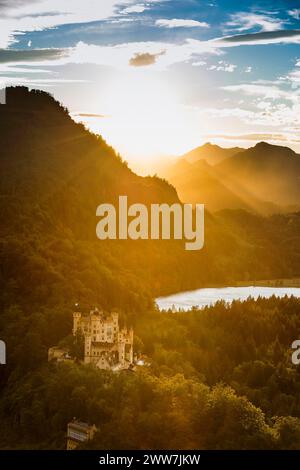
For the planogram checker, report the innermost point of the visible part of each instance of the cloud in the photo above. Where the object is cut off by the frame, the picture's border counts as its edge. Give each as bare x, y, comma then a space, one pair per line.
139, 8
267, 92
179, 23
147, 53
257, 137
199, 63
17, 16
245, 21
295, 13
7, 5
280, 117
119, 56
140, 53
35, 55
291, 36
90, 115
35, 82
144, 59
223, 67
294, 76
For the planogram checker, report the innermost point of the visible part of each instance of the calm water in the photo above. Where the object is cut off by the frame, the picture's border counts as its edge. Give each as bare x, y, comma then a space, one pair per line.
209, 296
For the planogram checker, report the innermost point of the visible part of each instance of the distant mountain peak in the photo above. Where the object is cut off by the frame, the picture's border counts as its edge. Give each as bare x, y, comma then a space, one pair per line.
266, 146
212, 153
262, 143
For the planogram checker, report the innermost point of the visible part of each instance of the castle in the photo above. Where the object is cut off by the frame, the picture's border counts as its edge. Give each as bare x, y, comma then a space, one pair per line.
79, 432
105, 344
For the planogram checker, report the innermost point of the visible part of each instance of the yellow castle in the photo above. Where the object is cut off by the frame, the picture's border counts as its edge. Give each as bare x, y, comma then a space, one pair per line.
105, 344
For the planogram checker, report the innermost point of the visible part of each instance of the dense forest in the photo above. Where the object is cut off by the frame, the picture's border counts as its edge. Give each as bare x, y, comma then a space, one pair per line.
218, 378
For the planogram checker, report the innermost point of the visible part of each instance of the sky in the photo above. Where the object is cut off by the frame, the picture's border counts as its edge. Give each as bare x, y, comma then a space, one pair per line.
157, 78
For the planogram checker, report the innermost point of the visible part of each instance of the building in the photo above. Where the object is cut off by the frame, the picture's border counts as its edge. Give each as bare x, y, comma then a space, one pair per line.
57, 354
78, 433
105, 344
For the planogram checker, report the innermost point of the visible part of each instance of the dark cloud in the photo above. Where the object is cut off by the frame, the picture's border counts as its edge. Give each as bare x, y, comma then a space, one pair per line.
144, 59
91, 115
263, 36
256, 137
9, 4
34, 55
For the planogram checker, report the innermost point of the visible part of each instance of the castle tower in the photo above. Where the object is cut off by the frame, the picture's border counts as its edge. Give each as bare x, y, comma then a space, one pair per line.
76, 321
87, 348
130, 358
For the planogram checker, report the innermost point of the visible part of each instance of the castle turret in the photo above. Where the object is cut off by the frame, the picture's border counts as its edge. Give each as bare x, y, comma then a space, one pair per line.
76, 322
87, 348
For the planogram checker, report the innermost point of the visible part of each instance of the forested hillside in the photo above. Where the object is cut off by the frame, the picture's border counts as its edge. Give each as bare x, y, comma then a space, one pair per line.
221, 378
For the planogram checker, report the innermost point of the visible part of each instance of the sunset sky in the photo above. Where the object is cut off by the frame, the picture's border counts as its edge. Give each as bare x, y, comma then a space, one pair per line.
159, 77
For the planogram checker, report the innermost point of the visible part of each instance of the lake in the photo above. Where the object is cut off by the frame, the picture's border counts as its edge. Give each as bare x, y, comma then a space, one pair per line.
211, 295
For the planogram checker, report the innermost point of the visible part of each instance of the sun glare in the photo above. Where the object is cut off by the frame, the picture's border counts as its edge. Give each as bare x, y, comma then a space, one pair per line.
144, 118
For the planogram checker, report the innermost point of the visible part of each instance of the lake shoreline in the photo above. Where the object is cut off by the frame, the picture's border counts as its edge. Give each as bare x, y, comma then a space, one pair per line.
284, 282
207, 296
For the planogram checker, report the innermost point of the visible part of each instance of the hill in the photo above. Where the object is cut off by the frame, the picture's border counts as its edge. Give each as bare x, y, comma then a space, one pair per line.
211, 153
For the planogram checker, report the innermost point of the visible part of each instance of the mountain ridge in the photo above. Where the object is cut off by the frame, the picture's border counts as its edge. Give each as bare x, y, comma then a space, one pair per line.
263, 179
212, 153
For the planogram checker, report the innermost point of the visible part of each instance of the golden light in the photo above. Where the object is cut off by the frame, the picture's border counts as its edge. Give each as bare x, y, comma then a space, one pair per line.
144, 118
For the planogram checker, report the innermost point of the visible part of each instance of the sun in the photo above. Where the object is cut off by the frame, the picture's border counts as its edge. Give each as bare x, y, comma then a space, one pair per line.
144, 117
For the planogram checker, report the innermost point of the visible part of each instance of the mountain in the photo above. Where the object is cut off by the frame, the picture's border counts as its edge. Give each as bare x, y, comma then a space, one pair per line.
263, 179
55, 173
211, 153
268, 172
198, 183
